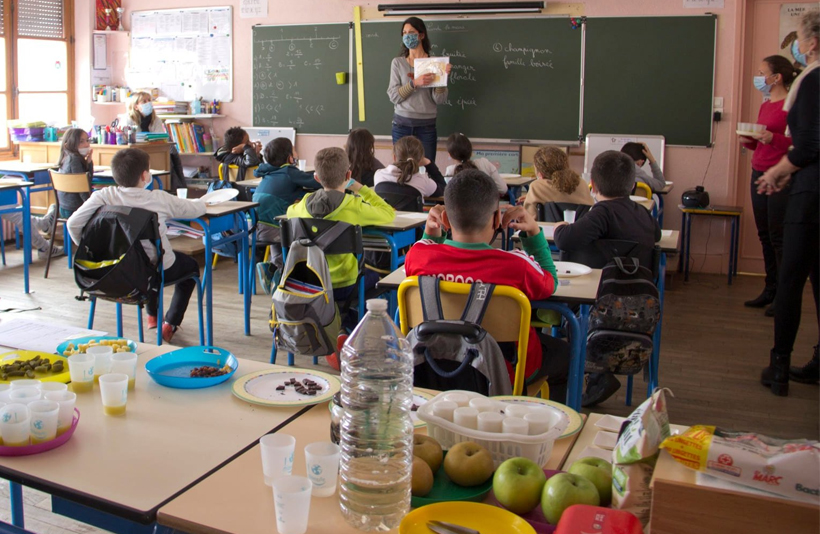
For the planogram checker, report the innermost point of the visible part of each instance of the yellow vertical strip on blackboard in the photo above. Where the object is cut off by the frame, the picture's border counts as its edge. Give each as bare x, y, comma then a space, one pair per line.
357, 21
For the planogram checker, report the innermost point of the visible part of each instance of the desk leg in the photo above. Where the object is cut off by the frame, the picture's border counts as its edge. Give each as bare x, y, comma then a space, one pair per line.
245, 260
731, 248
655, 358
682, 241
687, 243
24, 192
576, 325
207, 284
16, 500
737, 242
660, 210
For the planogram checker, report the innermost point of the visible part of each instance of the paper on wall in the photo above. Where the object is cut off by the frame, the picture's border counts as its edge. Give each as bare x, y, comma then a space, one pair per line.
432, 65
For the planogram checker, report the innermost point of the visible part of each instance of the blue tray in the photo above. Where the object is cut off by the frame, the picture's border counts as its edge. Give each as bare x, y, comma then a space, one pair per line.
173, 369
82, 340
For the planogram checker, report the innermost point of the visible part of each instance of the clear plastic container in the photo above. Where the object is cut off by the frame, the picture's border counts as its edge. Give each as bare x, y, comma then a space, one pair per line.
376, 429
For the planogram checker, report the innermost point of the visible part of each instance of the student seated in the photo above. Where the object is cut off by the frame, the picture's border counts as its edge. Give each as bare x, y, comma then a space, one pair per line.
614, 216
282, 185
75, 158
471, 213
238, 151
360, 148
408, 158
130, 167
556, 181
640, 153
362, 208
461, 149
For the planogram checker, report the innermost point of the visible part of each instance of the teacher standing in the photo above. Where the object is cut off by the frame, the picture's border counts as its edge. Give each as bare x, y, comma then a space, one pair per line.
800, 168
415, 103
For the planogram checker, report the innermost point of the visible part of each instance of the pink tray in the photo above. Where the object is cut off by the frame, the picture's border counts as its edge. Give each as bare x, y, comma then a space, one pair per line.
43, 447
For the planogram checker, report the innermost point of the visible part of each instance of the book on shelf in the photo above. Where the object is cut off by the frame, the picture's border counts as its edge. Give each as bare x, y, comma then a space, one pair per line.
171, 108
189, 137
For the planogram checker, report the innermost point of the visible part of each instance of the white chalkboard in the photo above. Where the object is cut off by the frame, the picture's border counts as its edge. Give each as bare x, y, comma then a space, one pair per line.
597, 143
185, 53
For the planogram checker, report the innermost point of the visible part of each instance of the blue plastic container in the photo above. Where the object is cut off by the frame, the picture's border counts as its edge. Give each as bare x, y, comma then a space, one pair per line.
173, 369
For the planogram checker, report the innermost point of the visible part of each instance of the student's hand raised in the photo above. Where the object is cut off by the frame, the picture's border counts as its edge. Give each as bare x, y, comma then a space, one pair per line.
435, 221
89, 155
518, 218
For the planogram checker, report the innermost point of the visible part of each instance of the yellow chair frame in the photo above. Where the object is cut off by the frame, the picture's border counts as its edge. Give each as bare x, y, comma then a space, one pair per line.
641, 189
233, 170
507, 318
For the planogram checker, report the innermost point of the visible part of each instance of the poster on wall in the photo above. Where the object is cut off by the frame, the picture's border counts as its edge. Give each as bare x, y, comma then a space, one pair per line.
107, 16
789, 17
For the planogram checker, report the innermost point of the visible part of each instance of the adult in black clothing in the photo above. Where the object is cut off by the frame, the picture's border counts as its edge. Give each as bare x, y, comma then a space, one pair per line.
801, 232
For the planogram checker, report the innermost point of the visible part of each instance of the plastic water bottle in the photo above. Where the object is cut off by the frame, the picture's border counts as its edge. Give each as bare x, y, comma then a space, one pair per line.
376, 429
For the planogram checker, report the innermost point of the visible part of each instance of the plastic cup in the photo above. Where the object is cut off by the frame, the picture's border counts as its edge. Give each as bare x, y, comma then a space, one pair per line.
277, 456
516, 410
81, 370
125, 363
490, 422
466, 417
5, 390
569, 216
24, 395
14, 425
66, 400
444, 409
48, 387
43, 420
459, 398
515, 425
114, 392
291, 500
322, 465
102, 360
302, 164
538, 422
182, 192
26, 383
341, 78
482, 404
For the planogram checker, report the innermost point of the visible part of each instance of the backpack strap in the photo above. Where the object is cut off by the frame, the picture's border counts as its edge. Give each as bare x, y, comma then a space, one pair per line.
634, 268
430, 298
327, 237
469, 356
477, 302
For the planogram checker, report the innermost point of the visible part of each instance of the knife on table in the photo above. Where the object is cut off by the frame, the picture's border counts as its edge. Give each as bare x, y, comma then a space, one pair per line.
440, 527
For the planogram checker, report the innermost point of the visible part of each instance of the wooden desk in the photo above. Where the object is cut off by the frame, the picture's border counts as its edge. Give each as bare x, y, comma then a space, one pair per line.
733, 213
667, 189
235, 498
254, 182
668, 243
167, 440
229, 207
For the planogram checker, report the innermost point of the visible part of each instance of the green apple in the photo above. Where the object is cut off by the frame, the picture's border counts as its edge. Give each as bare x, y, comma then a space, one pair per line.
562, 491
429, 450
517, 484
597, 471
468, 464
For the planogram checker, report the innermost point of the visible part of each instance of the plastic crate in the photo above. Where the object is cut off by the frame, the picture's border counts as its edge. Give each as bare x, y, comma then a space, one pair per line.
502, 446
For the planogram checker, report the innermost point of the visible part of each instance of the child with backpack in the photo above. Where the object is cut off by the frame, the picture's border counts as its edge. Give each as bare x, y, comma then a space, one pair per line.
471, 212
614, 216
238, 150
131, 169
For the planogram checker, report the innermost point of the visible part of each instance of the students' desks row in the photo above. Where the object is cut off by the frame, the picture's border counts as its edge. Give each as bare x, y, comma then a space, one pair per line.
235, 498
169, 439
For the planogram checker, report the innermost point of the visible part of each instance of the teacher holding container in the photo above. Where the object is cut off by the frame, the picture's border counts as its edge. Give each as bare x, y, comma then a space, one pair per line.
416, 96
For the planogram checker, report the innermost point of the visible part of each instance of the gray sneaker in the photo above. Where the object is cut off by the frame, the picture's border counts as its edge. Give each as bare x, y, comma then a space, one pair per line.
56, 252
44, 223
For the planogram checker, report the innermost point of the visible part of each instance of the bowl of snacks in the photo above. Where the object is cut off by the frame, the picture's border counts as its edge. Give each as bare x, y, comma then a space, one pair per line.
192, 367
81, 344
27, 364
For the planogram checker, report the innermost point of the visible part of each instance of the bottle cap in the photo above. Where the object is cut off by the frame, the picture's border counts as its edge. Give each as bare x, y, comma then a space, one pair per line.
377, 305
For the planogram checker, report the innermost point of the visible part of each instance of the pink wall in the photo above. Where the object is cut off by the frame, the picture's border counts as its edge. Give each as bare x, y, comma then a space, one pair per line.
687, 167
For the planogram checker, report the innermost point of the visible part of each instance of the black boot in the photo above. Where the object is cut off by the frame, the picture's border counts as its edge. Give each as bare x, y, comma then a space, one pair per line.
769, 310
763, 300
809, 373
776, 375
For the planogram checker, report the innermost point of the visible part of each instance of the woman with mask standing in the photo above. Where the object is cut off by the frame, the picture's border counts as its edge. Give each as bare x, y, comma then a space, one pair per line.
774, 78
140, 115
800, 170
415, 103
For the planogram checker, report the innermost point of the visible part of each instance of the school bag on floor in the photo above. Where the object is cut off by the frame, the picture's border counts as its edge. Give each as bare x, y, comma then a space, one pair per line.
304, 314
623, 318
457, 354
111, 262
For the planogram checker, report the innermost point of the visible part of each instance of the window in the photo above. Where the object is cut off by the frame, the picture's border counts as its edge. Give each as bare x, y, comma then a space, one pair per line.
36, 48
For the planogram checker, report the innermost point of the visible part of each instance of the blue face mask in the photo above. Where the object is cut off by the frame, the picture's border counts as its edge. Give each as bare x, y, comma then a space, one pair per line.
410, 40
146, 109
799, 57
762, 86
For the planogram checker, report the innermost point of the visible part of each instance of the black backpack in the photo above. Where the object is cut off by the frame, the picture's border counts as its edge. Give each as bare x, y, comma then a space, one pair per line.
623, 318
111, 263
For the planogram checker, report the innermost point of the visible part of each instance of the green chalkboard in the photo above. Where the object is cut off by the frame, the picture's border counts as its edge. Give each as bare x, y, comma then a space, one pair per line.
511, 79
294, 77
650, 76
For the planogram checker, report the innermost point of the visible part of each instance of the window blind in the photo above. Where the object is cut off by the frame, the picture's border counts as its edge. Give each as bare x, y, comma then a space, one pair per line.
40, 18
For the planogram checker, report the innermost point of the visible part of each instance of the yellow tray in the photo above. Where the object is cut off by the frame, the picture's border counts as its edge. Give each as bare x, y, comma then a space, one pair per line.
25, 355
483, 517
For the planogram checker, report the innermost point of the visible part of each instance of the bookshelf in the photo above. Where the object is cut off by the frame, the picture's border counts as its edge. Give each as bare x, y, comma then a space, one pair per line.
188, 134
191, 117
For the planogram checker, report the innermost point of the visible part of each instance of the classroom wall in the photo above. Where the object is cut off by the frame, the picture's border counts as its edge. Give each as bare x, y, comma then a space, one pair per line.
687, 167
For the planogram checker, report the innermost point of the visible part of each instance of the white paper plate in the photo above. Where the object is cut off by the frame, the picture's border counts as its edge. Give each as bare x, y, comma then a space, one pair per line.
506, 175
260, 388
753, 135
636, 198
567, 269
220, 196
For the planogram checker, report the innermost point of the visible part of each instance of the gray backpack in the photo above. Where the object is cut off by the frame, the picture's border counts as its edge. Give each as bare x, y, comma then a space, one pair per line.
457, 354
304, 314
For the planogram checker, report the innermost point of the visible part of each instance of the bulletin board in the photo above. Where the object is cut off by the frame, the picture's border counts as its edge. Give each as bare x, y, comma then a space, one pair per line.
185, 53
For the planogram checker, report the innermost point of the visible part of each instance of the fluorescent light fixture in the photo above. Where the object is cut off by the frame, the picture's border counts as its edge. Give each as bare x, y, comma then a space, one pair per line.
461, 9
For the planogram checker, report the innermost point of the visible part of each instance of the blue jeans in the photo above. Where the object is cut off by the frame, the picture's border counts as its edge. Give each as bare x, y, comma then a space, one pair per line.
65, 214
426, 134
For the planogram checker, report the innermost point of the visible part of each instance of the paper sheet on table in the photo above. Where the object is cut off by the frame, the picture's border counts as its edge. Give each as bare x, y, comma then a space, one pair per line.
549, 230
432, 65
666, 233
412, 216
30, 335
